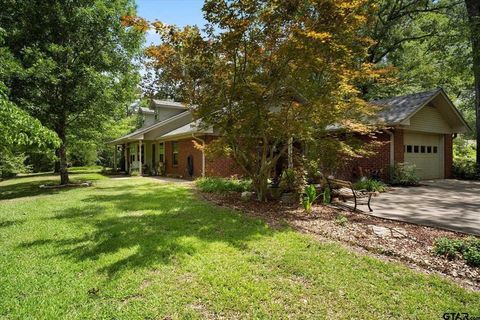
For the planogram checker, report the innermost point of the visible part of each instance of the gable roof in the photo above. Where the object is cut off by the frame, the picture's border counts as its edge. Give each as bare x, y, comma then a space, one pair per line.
397, 110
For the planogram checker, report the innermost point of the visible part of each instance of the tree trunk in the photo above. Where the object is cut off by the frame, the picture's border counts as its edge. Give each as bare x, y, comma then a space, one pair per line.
473, 9
62, 154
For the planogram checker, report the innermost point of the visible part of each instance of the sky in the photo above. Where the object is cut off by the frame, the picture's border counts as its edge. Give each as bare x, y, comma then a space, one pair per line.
179, 12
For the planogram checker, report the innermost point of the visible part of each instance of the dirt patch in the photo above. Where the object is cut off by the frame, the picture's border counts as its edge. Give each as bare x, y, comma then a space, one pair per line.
387, 239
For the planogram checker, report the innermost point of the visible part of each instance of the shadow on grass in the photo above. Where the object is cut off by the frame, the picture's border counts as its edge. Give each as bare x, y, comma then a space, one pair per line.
144, 229
17, 187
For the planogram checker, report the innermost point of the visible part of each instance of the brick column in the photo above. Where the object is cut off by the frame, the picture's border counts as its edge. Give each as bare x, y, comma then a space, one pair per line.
448, 155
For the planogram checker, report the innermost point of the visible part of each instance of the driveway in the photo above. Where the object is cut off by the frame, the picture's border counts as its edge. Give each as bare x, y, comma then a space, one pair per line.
449, 204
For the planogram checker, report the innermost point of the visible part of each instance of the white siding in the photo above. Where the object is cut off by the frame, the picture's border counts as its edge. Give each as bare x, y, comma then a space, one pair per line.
429, 119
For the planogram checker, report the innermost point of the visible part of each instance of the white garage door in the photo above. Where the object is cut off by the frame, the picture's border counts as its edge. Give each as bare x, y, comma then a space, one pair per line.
426, 152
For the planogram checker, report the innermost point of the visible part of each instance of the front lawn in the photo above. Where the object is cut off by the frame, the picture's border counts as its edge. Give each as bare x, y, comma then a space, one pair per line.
138, 249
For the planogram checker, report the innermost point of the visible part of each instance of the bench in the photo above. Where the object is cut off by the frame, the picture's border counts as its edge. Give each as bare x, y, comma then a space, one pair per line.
344, 190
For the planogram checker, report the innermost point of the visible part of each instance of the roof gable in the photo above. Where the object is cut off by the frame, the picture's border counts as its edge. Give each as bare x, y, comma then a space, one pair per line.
399, 110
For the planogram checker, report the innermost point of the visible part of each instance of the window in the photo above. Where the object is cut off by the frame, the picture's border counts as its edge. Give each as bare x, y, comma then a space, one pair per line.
422, 149
415, 149
435, 149
409, 149
429, 149
161, 152
175, 153
153, 154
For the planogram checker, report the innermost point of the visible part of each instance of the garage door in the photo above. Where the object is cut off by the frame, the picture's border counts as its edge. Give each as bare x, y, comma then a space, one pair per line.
426, 152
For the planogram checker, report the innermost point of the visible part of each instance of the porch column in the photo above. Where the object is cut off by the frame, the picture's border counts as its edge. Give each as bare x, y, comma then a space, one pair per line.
125, 146
115, 158
140, 156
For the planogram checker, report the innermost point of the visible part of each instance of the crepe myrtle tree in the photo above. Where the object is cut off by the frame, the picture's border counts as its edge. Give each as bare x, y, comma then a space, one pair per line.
265, 72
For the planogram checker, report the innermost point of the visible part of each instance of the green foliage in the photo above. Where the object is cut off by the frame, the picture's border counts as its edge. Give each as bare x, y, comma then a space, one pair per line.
277, 69
371, 185
404, 174
77, 64
469, 249
448, 247
464, 160
327, 195
341, 220
223, 185
309, 197
11, 165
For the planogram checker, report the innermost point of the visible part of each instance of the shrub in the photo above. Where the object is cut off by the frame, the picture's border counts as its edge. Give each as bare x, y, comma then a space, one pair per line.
371, 185
223, 185
404, 174
447, 247
12, 164
341, 220
464, 162
469, 249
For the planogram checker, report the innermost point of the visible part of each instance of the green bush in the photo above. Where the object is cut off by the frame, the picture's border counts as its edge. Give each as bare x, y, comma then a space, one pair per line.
371, 185
223, 185
448, 247
327, 195
464, 162
469, 249
12, 164
404, 174
472, 256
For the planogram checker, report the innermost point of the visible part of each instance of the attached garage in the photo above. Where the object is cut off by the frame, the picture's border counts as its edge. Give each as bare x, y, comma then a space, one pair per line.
422, 128
426, 152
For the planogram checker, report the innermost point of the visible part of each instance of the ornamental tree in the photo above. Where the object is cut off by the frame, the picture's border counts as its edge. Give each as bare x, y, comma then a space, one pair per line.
266, 72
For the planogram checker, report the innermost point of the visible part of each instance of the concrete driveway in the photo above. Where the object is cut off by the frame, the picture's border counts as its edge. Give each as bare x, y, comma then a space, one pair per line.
449, 204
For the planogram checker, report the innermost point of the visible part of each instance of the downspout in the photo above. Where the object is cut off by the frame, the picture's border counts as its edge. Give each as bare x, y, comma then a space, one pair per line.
203, 153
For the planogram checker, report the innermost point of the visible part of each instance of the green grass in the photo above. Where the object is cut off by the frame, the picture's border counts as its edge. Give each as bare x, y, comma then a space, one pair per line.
138, 249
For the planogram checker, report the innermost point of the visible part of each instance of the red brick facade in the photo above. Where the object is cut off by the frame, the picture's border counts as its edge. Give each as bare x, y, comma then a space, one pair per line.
219, 167
376, 162
351, 168
448, 155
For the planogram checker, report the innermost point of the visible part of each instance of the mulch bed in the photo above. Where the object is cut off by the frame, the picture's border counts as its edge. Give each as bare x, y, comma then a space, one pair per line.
391, 240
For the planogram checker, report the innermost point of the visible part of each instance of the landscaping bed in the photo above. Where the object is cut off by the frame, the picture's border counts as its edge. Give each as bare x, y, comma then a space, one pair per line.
410, 243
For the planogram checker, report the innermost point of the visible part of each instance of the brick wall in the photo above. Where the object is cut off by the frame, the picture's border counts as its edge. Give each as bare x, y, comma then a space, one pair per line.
448, 155
185, 148
218, 167
354, 168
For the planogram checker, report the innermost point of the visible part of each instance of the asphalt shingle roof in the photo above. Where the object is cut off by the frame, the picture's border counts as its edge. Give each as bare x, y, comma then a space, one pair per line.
395, 110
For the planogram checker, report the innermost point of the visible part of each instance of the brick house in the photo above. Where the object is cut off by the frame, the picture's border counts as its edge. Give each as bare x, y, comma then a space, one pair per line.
417, 128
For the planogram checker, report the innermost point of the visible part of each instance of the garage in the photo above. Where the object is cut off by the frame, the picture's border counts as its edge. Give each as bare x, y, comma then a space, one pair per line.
425, 151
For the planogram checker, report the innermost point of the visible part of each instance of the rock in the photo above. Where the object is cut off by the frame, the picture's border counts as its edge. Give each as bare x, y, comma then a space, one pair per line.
246, 195
381, 231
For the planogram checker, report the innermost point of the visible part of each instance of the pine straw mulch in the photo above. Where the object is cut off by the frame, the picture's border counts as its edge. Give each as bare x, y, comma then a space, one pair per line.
409, 243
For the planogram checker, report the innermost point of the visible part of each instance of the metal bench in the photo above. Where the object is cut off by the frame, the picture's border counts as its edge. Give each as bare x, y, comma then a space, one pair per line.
345, 191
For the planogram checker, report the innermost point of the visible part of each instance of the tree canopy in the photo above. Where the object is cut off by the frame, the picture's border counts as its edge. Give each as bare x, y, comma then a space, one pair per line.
77, 62
264, 72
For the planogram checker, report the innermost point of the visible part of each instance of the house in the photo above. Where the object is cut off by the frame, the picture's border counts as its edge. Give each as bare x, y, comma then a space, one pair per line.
167, 144
418, 128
